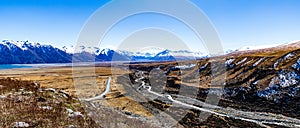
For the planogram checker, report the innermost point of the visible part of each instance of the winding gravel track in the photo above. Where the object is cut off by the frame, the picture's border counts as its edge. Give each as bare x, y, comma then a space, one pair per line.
259, 118
262, 119
101, 96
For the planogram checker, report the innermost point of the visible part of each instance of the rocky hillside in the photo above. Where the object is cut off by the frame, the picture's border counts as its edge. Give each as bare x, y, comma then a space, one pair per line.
24, 104
272, 72
262, 80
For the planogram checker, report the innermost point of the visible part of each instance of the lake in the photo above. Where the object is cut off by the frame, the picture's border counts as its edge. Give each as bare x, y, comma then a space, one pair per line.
17, 66
13, 66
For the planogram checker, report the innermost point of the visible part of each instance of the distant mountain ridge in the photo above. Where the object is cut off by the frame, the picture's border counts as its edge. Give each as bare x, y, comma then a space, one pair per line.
26, 52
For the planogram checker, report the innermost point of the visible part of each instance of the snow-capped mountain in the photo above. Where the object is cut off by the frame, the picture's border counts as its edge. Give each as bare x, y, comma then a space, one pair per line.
258, 47
25, 52
146, 54
80, 49
68, 49
246, 48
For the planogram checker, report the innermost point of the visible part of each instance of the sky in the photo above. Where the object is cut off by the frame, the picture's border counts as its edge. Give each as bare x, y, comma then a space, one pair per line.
238, 22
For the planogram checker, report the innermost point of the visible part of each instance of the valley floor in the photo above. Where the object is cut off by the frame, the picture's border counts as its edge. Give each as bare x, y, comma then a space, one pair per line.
63, 90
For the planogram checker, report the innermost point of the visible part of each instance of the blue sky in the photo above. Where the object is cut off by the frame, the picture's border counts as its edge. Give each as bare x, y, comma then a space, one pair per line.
238, 22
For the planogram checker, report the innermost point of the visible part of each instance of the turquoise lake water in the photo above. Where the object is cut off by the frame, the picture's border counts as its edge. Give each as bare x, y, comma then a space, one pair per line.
13, 66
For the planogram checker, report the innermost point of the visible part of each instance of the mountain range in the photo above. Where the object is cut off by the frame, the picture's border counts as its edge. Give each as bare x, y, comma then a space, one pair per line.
26, 52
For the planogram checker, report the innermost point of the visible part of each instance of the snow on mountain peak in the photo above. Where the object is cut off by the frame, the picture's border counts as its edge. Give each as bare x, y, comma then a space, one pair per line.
16, 44
68, 49
147, 52
80, 49
165, 53
104, 51
246, 48
182, 53
292, 42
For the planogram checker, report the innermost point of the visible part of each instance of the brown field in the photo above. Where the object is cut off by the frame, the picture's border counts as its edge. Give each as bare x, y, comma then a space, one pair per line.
61, 78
